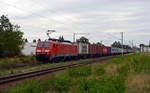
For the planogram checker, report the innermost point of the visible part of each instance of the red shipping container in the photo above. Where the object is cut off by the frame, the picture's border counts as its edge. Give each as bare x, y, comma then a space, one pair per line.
99, 50
105, 51
92, 49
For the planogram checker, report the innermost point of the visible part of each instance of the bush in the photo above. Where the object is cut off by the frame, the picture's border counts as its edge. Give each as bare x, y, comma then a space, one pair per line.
61, 83
124, 70
141, 64
80, 71
83, 85
6, 63
27, 59
111, 84
100, 70
31, 86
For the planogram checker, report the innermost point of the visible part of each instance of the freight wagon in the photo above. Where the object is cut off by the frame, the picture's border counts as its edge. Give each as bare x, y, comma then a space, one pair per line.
92, 50
83, 50
115, 51
62, 50
104, 51
109, 51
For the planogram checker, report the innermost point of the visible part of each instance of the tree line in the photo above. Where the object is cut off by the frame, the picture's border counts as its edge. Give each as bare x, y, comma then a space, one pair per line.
11, 38
118, 45
115, 44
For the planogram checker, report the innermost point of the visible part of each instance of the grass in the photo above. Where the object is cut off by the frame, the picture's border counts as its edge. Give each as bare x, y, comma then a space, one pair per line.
127, 74
7, 63
38, 67
80, 71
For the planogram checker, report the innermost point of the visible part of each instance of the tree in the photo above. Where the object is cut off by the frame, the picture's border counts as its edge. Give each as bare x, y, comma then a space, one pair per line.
61, 38
116, 44
98, 43
26, 40
39, 40
10, 38
34, 40
83, 40
141, 45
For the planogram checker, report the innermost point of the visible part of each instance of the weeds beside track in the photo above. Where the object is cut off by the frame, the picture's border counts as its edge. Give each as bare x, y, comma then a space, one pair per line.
7, 79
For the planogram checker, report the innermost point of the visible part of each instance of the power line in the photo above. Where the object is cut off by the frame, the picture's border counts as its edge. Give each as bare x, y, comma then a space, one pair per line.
113, 36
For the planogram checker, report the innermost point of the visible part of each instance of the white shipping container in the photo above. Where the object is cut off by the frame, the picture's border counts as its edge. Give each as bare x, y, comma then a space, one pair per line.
115, 50
82, 48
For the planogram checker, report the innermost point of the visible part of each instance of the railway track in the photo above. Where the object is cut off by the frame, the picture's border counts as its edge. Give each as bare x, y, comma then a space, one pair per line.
11, 78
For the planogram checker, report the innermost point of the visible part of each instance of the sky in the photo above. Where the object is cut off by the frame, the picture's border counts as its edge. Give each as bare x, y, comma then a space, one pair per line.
99, 20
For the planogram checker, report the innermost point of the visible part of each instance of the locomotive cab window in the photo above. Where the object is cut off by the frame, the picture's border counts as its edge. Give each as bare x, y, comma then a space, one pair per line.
44, 44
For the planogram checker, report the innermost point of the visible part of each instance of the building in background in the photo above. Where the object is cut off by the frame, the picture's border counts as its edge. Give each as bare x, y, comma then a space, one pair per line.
145, 48
29, 49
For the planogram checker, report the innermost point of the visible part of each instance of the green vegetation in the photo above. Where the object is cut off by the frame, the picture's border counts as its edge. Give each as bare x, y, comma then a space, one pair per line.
7, 68
83, 40
118, 45
80, 71
10, 38
7, 63
127, 74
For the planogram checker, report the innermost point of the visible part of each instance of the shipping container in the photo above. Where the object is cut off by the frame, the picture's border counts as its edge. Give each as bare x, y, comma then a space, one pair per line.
109, 50
105, 51
82, 48
92, 49
115, 50
99, 50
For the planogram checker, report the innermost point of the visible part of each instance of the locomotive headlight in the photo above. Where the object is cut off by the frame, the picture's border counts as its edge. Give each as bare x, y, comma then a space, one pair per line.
46, 50
38, 53
38, 50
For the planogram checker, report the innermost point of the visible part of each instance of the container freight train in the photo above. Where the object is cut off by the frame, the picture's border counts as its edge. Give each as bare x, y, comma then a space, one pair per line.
65, 50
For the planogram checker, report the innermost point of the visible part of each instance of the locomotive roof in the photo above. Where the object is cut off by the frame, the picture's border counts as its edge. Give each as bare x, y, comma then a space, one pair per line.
60, 41
51, 39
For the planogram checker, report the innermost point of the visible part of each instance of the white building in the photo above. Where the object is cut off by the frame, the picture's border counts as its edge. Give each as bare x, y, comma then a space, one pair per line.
29, 48
145, 48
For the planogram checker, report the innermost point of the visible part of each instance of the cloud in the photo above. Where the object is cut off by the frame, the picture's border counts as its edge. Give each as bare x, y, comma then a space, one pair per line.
97, 17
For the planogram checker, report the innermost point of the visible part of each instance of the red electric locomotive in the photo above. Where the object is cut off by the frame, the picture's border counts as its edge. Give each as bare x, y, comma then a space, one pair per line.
55, 49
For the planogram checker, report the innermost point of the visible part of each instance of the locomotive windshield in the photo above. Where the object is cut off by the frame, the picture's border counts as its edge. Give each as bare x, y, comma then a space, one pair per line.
44, 44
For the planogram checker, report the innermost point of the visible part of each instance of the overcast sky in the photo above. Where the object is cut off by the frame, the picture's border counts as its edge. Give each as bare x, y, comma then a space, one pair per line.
102, 19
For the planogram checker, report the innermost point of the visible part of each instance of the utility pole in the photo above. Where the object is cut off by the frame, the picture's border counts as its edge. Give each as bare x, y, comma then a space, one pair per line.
132, 43
122, 41
74, 34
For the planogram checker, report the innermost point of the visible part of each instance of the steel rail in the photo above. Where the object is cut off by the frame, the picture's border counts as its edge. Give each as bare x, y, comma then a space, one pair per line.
15, 77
